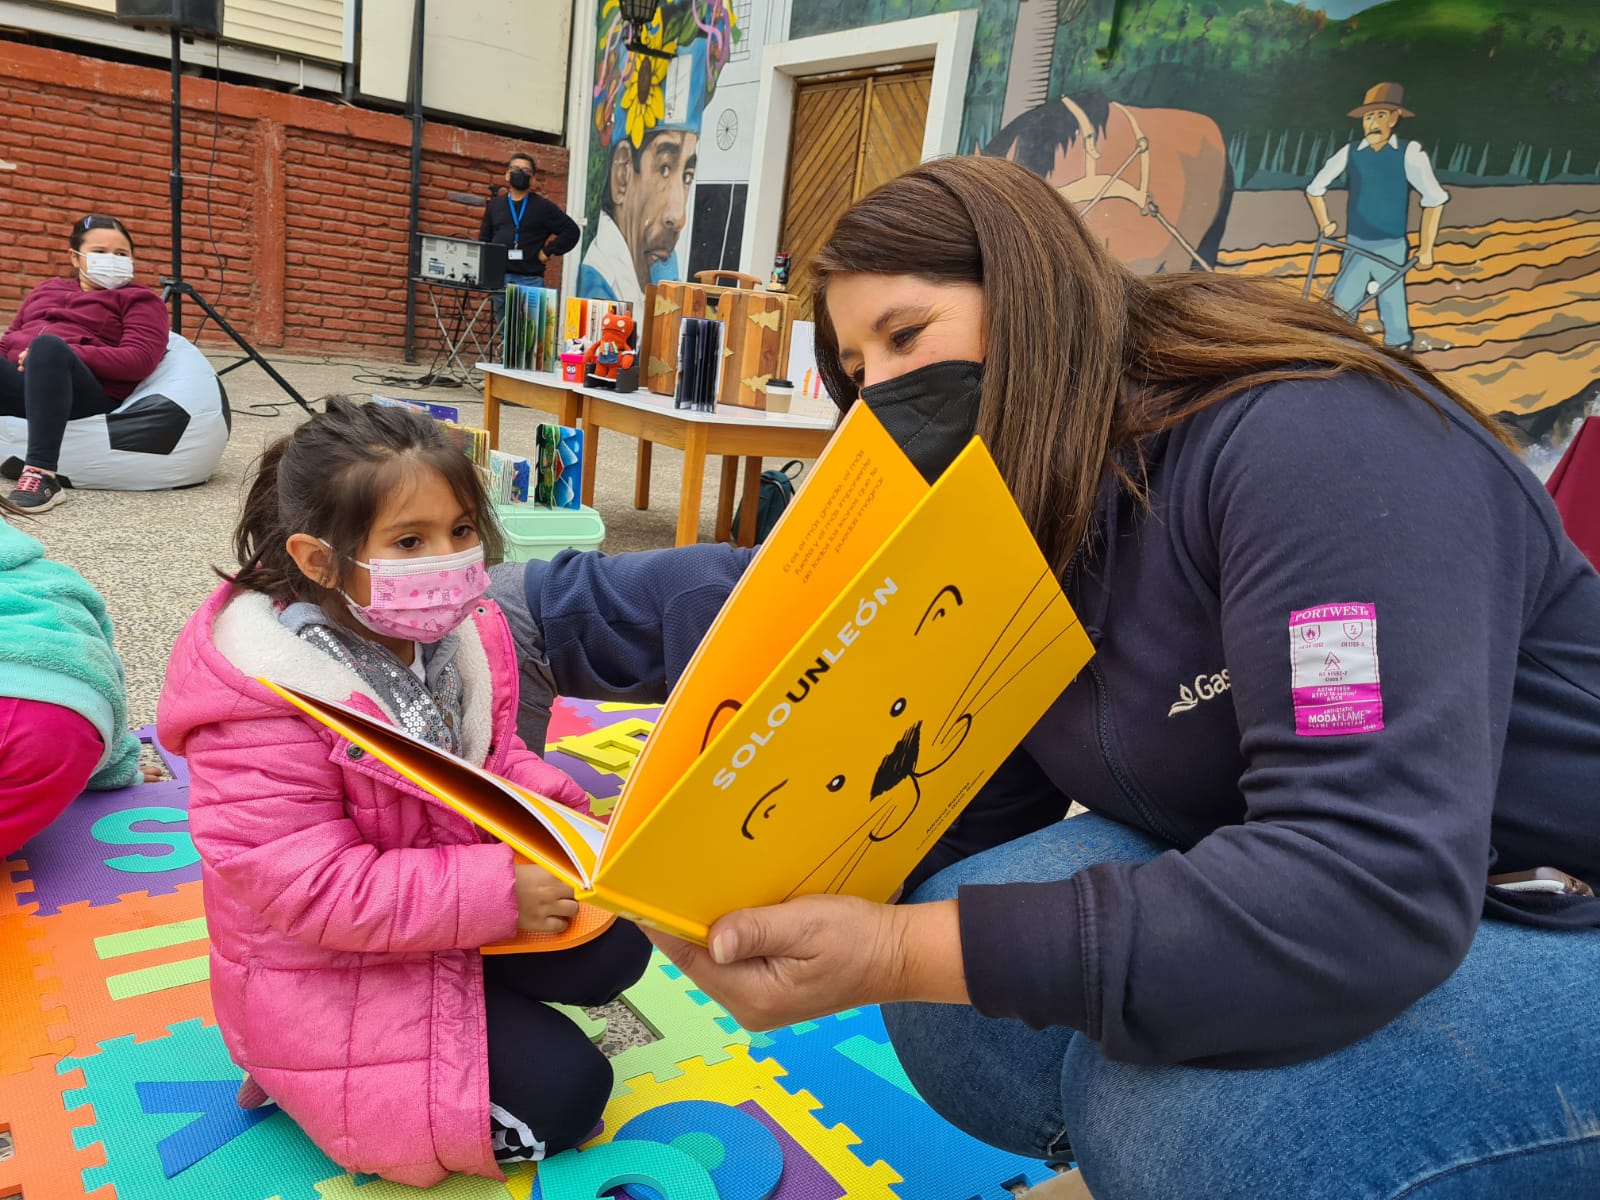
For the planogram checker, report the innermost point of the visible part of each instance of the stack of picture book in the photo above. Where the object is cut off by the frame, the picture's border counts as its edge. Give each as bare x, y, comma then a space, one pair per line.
582, 317
529, 338
558, 473
510, 478
890, 644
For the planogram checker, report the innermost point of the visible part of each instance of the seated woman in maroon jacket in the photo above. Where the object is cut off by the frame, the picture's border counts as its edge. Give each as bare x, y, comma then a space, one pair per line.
77, 347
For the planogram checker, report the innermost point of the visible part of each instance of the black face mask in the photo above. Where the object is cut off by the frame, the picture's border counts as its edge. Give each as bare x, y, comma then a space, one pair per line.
521, 180
930, 413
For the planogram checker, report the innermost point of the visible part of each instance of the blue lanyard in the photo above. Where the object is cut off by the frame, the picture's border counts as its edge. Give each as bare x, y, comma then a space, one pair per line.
516, 218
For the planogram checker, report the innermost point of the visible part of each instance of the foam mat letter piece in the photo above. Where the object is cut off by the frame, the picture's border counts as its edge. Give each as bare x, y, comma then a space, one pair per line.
270, 1158
217, 1118
857, 1087
740, 1154
107, 844
592, 1174
686, 1022
611, 748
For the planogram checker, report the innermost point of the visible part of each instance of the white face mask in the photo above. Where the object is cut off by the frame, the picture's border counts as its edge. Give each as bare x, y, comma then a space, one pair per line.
108, 270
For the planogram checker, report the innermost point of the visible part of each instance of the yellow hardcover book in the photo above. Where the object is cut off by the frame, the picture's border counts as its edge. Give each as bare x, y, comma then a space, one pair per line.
888, 647
574, 319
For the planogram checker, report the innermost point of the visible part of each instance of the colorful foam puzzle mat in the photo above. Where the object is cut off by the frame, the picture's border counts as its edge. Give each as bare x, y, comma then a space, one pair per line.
115, 1084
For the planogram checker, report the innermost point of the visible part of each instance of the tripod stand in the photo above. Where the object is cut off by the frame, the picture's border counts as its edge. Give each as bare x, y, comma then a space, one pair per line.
174, 288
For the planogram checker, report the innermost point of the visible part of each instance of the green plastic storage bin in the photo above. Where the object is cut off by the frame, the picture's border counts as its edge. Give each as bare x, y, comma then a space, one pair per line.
536, 532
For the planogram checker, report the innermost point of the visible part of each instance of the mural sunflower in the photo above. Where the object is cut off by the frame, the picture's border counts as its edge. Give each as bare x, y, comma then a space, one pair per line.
643, 100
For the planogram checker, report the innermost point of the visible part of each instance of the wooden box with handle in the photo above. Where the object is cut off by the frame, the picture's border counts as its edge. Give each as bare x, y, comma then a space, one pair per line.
756, 347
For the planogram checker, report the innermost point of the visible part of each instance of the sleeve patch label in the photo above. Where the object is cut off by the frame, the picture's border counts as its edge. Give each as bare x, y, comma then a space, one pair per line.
1333, 658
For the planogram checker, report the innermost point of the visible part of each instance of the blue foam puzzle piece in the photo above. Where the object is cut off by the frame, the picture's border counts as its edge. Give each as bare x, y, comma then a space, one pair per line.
844, 1062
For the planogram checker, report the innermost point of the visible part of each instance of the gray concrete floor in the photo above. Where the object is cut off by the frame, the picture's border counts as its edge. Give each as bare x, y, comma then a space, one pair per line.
151, 554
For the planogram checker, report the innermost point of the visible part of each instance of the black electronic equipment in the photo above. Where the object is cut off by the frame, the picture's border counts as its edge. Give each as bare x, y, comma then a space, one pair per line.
461, 263
192, 16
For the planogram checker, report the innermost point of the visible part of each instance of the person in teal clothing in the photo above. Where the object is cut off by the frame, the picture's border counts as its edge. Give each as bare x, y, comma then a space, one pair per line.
63, 706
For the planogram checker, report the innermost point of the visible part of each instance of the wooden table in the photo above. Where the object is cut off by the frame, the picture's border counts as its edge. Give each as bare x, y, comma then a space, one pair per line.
734, 433
542, 390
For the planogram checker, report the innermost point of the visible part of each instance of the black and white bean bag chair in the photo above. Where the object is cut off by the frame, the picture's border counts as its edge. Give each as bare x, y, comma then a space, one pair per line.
169, 433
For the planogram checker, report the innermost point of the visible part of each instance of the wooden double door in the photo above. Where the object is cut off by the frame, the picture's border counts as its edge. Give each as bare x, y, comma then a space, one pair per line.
851, 133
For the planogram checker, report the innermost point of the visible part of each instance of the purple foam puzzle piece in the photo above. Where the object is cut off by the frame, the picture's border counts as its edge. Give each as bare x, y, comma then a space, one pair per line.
803, 1177
591, 712
596, 782
107, 844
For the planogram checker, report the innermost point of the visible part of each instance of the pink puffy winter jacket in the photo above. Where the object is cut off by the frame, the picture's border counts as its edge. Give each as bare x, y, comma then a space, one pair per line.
345, 906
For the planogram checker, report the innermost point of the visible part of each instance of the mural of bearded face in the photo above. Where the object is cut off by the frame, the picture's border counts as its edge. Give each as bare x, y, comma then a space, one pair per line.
649, 194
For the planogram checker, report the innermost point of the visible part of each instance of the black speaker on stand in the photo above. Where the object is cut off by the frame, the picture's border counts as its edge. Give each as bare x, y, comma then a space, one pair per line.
202, 18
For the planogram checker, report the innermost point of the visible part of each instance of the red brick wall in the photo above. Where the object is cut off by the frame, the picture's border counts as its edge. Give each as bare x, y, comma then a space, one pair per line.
309, 198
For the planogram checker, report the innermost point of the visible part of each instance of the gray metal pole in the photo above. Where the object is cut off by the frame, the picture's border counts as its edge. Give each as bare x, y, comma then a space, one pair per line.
415, 98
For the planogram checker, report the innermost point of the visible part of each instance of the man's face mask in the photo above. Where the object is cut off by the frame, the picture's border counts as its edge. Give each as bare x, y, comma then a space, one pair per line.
931, 413
521, 179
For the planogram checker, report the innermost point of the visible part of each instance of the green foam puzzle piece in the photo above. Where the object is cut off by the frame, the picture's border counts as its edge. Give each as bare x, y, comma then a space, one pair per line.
686, 1022
594, 1028
270, 1159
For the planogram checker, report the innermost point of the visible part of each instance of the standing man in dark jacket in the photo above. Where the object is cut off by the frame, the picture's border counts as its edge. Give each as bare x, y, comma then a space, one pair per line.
531, 228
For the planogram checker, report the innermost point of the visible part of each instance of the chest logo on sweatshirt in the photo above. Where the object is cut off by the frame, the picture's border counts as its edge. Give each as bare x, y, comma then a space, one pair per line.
1333, 661
1206, 687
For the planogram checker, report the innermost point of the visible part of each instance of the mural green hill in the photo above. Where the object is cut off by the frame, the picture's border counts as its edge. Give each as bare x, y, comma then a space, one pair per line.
1504, 90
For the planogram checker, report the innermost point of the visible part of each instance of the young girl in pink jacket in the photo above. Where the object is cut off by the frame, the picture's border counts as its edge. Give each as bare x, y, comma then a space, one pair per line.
345, 906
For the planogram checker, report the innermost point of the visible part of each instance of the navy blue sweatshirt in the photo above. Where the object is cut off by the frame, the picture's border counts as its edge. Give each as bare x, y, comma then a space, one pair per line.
544, 227
1319, 884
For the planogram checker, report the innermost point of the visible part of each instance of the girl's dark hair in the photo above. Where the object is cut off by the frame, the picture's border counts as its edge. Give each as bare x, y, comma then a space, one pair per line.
1085, 359
329, 478
82, 226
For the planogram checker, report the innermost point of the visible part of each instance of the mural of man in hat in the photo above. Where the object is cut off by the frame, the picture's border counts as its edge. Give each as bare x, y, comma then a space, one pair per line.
644, 194
1382, 171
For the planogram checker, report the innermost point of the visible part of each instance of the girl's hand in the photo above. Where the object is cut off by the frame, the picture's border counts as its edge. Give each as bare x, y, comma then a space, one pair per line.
152, 774
544, 903
817, 955
22, 358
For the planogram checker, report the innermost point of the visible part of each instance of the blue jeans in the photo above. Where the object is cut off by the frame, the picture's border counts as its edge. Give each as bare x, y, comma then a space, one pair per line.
1356, 271
1488, 1087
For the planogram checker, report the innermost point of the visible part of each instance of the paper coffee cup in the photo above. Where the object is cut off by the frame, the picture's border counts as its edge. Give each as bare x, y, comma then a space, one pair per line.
779, 393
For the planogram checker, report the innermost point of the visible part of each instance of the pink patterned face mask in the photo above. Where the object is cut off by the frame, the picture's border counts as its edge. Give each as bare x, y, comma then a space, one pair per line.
421, 599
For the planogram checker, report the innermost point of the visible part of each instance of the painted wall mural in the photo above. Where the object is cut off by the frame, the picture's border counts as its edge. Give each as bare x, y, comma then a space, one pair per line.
1433, 164
648, 113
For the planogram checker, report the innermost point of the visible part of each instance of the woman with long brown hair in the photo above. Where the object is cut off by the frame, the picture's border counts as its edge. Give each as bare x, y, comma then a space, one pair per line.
1339, 742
